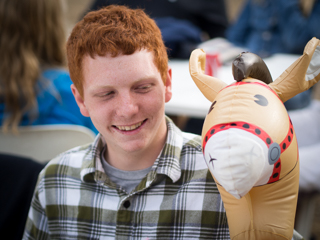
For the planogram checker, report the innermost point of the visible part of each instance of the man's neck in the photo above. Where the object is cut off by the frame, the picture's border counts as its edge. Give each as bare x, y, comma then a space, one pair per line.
138, 160
132, 161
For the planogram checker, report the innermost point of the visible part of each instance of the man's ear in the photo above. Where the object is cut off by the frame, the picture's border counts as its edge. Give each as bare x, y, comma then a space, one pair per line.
80, 101
168, 85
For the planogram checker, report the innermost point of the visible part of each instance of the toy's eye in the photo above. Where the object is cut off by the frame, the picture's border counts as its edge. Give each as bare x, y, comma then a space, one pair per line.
211, 108
261, 100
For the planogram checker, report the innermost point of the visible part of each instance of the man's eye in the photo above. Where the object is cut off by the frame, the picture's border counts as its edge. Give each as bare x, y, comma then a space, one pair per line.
144, 88
105, 94
109, 93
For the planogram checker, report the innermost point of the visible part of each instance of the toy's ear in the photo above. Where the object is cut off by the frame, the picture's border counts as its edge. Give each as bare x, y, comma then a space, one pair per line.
301, 75
209, 86
248, 64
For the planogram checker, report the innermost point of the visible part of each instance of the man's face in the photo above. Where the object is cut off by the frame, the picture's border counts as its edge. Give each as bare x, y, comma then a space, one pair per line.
125, 98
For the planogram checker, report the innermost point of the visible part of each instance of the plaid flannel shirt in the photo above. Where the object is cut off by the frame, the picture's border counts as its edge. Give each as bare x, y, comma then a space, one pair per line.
178, 198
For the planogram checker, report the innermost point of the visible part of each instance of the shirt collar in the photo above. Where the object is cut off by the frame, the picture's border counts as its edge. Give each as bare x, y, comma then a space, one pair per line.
168, 162
92, 160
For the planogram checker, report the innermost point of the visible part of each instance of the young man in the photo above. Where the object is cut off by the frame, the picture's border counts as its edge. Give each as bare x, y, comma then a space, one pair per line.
142, 178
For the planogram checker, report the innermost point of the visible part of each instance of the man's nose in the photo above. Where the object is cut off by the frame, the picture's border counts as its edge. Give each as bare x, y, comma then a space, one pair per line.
127, 105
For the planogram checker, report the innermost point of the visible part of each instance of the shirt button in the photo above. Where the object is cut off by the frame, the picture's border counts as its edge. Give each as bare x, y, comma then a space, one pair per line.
126, 204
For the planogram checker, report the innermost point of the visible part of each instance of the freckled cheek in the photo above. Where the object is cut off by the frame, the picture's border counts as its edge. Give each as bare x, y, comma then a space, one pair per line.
155, 103
99, 112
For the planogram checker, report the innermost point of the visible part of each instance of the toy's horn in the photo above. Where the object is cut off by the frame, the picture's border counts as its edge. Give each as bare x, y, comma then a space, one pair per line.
248, 64
301, 75
209, 86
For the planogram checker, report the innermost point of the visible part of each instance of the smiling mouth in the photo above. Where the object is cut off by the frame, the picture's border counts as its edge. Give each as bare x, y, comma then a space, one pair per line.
131, 127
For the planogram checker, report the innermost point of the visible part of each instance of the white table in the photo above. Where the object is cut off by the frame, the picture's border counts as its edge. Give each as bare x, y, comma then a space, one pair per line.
187, 100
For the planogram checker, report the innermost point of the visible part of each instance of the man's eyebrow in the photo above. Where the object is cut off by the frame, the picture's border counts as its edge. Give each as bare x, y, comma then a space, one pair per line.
106, 86
99, 88
147, 77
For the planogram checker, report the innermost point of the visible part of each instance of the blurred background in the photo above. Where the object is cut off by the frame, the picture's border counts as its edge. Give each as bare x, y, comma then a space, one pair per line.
75, 9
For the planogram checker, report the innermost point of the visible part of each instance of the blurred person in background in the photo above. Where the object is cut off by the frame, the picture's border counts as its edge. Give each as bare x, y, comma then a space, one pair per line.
266, 27
34, 85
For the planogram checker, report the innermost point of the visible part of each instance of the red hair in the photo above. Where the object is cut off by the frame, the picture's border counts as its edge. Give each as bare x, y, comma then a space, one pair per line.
114, 30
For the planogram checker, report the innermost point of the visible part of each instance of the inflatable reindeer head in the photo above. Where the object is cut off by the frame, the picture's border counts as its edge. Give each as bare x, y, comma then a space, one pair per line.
249, 142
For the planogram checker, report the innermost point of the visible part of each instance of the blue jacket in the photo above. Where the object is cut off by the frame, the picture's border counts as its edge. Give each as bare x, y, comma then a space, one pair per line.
266, 27
56, 104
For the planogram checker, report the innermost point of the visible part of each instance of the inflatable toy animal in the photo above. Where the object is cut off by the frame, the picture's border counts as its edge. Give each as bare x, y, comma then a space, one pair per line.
249, 143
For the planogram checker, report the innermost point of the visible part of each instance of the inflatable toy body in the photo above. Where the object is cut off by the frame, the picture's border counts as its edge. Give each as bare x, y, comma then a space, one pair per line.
249, 142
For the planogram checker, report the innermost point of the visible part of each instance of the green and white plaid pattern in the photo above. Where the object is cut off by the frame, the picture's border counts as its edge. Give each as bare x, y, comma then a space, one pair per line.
178, 199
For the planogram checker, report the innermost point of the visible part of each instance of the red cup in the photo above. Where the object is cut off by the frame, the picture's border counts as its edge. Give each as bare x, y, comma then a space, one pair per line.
212, 64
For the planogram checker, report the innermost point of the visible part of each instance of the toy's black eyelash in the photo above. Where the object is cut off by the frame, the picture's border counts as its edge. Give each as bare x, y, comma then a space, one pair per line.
211, 160
211, 107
